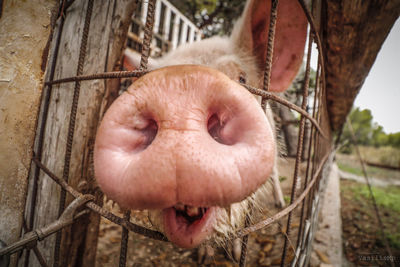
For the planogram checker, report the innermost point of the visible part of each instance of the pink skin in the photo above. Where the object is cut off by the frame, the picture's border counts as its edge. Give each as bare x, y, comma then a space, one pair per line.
190, 135
184, 163
192, 158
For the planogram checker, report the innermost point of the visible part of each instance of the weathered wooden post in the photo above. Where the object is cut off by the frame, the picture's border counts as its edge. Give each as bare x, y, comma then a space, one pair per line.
25, 32
25, 28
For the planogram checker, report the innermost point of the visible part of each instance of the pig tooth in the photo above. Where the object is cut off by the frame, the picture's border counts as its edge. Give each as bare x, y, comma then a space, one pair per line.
192, 211
203, 210
179, 206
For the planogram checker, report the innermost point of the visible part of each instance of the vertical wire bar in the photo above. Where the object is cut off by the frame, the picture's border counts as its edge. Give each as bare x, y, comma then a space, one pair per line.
321, 97
148, 34
317, 138
314, 134
245, 239
71, 127
311, 141
381, 226
39, 150
124, 241
243, 252
270, 50
36, 251
266, 85
299, 147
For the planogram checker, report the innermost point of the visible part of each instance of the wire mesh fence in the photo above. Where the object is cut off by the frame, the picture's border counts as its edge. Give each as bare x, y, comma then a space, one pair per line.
305, 194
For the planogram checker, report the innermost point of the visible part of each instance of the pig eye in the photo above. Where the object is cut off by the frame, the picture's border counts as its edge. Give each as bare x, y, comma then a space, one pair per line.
242, 77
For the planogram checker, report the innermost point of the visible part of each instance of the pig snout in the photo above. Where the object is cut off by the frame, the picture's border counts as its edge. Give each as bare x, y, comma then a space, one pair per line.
183, 139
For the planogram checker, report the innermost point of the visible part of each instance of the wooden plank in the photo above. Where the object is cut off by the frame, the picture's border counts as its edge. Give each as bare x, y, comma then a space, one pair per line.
108, 29
182, 39
175, 32
191, 35
23, 25
354, 31
167, 23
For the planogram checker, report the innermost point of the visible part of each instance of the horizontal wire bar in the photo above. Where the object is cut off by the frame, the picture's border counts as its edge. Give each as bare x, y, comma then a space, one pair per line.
104, 75
139, 73
283, 101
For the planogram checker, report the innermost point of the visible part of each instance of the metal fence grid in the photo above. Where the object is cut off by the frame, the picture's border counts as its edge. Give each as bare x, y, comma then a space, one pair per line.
319, 151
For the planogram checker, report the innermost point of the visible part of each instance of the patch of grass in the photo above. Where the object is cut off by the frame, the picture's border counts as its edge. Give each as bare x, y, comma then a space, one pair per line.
357, 200
282, 178
287, 199
393, 238
349, 168
389, 198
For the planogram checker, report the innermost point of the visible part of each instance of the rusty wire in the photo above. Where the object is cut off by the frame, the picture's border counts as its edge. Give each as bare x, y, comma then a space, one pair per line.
284, 212
299, 154
71, 126
283, 101
311, 142
270, 50
103, 212
124, 241
36, 251
309, 188
139, 73
266, 84
68, 217
148, 33
104, 75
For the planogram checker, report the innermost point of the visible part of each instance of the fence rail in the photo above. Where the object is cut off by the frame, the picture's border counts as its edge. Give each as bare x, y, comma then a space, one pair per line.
171, 28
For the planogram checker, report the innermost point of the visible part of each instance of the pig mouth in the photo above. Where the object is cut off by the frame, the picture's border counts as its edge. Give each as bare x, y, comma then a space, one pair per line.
188, 226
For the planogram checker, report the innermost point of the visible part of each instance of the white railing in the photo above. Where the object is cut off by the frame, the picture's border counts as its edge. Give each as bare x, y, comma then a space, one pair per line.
171, 28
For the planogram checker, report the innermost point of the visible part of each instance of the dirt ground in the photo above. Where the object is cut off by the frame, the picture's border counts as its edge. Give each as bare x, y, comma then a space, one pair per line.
264, 248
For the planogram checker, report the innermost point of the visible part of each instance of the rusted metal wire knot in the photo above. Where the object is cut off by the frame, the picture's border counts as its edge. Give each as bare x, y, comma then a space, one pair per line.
69, 215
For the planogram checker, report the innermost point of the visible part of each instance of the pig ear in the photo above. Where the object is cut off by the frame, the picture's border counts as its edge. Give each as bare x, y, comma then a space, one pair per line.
251, 34
131, 61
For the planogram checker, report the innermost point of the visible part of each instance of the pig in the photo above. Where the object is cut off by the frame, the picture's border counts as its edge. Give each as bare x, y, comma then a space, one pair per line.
188, 142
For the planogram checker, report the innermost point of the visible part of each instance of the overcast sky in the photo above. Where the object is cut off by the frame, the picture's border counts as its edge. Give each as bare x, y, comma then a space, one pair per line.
381, 90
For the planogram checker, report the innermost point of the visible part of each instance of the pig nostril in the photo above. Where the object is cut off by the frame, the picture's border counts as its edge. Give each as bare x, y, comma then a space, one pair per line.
149, 132
214, 126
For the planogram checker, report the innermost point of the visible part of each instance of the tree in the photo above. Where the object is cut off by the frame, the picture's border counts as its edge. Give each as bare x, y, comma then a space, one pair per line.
393, 139
367, 132
212, 16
